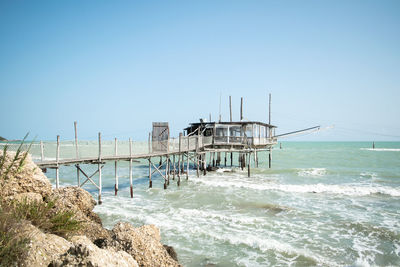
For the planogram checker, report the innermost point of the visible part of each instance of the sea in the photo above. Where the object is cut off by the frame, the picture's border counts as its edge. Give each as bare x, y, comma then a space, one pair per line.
320, 204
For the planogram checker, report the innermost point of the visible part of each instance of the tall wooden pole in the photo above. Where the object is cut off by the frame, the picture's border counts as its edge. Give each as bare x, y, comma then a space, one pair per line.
187, 163
150, 182
76, 140
230, 108
130, 167
269, 110
57, 159
116, 166
41, 151
99, 169
241, 108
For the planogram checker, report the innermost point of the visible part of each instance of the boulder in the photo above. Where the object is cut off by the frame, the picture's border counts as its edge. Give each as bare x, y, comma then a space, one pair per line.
84, 253
42, 248
143, 243
27, 179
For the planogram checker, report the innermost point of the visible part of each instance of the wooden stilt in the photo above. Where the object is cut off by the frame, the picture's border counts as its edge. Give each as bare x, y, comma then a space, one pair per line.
225, 159
116, 167
187, 162
130, 168
269, 158
168, 163
205, 164
57, 159
173, 166
197, 166
99, 170
231, 159
166, 174
150, 182
248, 164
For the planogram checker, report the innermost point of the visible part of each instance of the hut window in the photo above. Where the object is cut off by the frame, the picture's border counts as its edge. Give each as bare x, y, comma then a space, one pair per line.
234, 131
221, 131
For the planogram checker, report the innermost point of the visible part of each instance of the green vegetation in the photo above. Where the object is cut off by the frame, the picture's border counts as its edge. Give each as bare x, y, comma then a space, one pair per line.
12, 246
13, 167
2, 139
41, 213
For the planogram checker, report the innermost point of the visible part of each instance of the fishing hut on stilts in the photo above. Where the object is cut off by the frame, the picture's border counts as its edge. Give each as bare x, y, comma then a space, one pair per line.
202, 146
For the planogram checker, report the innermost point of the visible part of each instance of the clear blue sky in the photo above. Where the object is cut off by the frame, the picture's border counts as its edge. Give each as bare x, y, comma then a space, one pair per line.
116, 66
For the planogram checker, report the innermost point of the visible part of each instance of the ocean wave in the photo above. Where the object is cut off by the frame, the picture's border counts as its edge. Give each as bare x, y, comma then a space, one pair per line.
268, 244
382, 149
313, 172
351, 190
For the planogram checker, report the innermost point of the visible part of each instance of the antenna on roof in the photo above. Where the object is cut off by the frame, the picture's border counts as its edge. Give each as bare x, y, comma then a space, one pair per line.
269, 112
220, 95
230, 107
241, 108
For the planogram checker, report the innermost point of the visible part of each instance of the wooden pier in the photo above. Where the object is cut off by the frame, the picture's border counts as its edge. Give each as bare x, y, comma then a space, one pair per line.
202, 144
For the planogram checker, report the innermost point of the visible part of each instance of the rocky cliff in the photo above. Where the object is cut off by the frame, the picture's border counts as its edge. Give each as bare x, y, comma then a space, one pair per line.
86, 242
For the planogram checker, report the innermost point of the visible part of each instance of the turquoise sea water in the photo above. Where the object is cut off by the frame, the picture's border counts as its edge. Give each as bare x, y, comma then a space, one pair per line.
321, 204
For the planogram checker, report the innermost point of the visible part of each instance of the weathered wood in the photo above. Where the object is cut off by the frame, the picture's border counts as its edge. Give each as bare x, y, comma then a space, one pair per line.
187, 162
57, 160
116, 166
41, 151
166, 181
130, 168
269, 110
230, 108
76, 140
99, 168
248, 165
241, 108
173, 167
150, 182
269, 158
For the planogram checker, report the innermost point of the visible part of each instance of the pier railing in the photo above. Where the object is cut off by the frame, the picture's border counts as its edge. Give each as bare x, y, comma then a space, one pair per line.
70, 149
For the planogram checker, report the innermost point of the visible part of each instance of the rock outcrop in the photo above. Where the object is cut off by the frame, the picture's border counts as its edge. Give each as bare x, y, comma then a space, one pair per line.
91, 245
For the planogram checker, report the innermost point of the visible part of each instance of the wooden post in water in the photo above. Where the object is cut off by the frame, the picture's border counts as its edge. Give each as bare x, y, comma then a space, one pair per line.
187, 162
205, 164
130, 167
248, 164
179, 159
116, 166
166, 180
270, 157
225, 158
150, 182
231, 159
99, 169
173, 167
57, 160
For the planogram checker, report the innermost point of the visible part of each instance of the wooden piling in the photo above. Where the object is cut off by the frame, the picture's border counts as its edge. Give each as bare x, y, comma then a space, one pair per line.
116, 166
231, 159
269, 157
187, 162
197, 166
99, 169
150, 182
173, 167
166, 180
248, 164
57, 160
130, 167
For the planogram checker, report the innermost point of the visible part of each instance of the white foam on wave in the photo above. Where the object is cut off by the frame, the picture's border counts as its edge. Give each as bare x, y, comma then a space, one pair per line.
266, 244
382, 149
313, 172
351, 190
